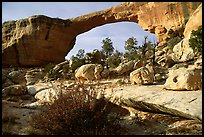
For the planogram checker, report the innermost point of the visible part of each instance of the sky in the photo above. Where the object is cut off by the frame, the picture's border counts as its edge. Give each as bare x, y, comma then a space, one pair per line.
90, 40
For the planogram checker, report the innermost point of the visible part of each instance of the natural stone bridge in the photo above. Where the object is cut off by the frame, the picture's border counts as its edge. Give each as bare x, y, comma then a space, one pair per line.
38, 40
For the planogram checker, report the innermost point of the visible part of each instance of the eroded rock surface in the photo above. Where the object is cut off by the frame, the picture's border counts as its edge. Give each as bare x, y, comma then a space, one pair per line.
155, 98
34, 40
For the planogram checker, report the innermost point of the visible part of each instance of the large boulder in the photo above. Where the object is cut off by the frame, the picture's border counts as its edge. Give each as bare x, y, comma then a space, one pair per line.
88, 72
142, 76
184, 79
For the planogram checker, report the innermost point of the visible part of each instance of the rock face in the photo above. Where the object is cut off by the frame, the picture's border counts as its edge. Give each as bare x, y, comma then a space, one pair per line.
38, 40
182, 51
155, 98
194, 21
88, 72
184, 79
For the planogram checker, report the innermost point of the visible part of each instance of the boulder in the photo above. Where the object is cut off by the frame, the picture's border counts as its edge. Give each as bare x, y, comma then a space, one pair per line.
14, 90
124, 67
33, 89
7, 83
184, 79
17, 77
33, 76
182, 51
105, 72
141, 76
48, 95
88, 72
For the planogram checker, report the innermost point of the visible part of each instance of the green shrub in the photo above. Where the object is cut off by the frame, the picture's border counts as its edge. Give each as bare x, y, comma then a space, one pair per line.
195, 40
77, 113
48, 67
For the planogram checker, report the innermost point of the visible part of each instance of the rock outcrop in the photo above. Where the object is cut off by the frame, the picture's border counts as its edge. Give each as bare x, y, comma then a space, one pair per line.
142, 76
88, 72
184, 79
124, 67
38, 40
182, 51
155, 98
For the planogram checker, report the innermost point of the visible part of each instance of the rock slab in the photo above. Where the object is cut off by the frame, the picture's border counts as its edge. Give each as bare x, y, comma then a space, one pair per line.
155, 98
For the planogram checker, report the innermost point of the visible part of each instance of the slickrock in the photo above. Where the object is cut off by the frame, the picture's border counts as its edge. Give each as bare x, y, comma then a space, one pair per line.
155, 98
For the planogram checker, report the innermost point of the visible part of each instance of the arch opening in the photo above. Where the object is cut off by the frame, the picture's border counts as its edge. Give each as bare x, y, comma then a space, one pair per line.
118, 32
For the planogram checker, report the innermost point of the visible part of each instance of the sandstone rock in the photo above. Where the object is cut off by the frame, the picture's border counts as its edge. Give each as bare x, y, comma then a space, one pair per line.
33, 89
159, 53
61, 68
198, 63
184, 79
105, 72
160, 30
33, 76
48, 95
31, 41
182, 51
166, 61
194, 21
88, 72
14, 90
138, 64
7, 83
179, 65
142, 76
17, 77
124, 67
154, 98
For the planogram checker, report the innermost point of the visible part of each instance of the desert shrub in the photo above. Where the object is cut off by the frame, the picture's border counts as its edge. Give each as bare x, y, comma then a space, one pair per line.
195, 40
48, 67
78, 113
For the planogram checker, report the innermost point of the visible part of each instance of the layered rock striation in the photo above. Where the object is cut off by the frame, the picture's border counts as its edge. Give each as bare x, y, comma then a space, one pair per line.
38, 40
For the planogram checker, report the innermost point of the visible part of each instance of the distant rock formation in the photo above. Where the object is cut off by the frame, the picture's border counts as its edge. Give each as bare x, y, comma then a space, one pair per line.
38, 40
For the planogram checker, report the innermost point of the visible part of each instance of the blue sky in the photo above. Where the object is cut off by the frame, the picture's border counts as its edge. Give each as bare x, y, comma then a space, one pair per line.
117, 32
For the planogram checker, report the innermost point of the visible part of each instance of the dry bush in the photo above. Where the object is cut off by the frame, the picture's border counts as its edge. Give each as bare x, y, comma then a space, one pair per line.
78, 113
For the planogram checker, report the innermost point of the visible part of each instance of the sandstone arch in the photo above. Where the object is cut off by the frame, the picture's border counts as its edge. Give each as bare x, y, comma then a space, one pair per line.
38, 39
118, 33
